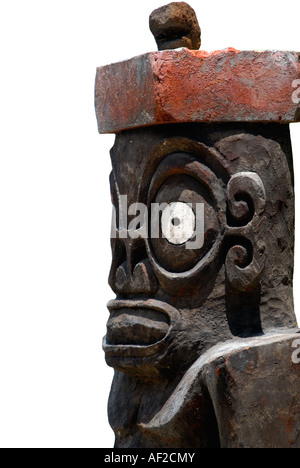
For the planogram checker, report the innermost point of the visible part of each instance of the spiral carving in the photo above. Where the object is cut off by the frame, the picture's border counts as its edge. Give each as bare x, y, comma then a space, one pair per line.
245, 260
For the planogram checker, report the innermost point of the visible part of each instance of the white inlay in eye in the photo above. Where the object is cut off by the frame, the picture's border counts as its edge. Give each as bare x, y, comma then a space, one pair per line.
178, 223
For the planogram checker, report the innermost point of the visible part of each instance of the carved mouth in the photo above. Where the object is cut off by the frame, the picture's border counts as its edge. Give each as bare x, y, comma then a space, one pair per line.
138, 328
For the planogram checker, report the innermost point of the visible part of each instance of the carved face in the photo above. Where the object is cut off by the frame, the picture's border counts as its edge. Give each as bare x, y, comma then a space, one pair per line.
174, 302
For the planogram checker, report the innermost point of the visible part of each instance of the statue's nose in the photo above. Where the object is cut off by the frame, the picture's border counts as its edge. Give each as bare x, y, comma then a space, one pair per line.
131, 271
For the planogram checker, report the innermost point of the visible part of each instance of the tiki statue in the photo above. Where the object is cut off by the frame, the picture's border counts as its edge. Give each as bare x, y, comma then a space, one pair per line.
202, 334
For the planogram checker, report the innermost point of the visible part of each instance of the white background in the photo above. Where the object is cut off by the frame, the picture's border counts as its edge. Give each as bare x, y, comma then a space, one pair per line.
55, 203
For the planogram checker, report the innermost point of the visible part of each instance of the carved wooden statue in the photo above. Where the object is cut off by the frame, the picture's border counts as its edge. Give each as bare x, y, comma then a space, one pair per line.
202, 331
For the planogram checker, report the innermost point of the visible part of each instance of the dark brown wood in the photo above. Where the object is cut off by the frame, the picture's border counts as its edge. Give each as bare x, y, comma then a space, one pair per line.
174, 305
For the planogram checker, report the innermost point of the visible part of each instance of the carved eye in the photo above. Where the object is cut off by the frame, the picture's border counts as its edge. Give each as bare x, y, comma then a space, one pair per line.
178, 223
179, 196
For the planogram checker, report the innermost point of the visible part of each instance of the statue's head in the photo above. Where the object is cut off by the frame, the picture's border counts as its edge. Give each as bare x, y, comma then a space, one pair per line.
202, 189
192, 245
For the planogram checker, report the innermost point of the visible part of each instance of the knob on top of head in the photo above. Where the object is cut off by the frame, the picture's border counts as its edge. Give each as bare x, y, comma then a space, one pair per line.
175, 25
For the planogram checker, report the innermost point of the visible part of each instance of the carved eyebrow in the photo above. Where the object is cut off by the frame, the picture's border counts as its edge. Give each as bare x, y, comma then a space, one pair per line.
210, 156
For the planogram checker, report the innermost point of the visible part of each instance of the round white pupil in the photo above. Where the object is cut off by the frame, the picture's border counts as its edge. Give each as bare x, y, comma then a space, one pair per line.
178, 223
